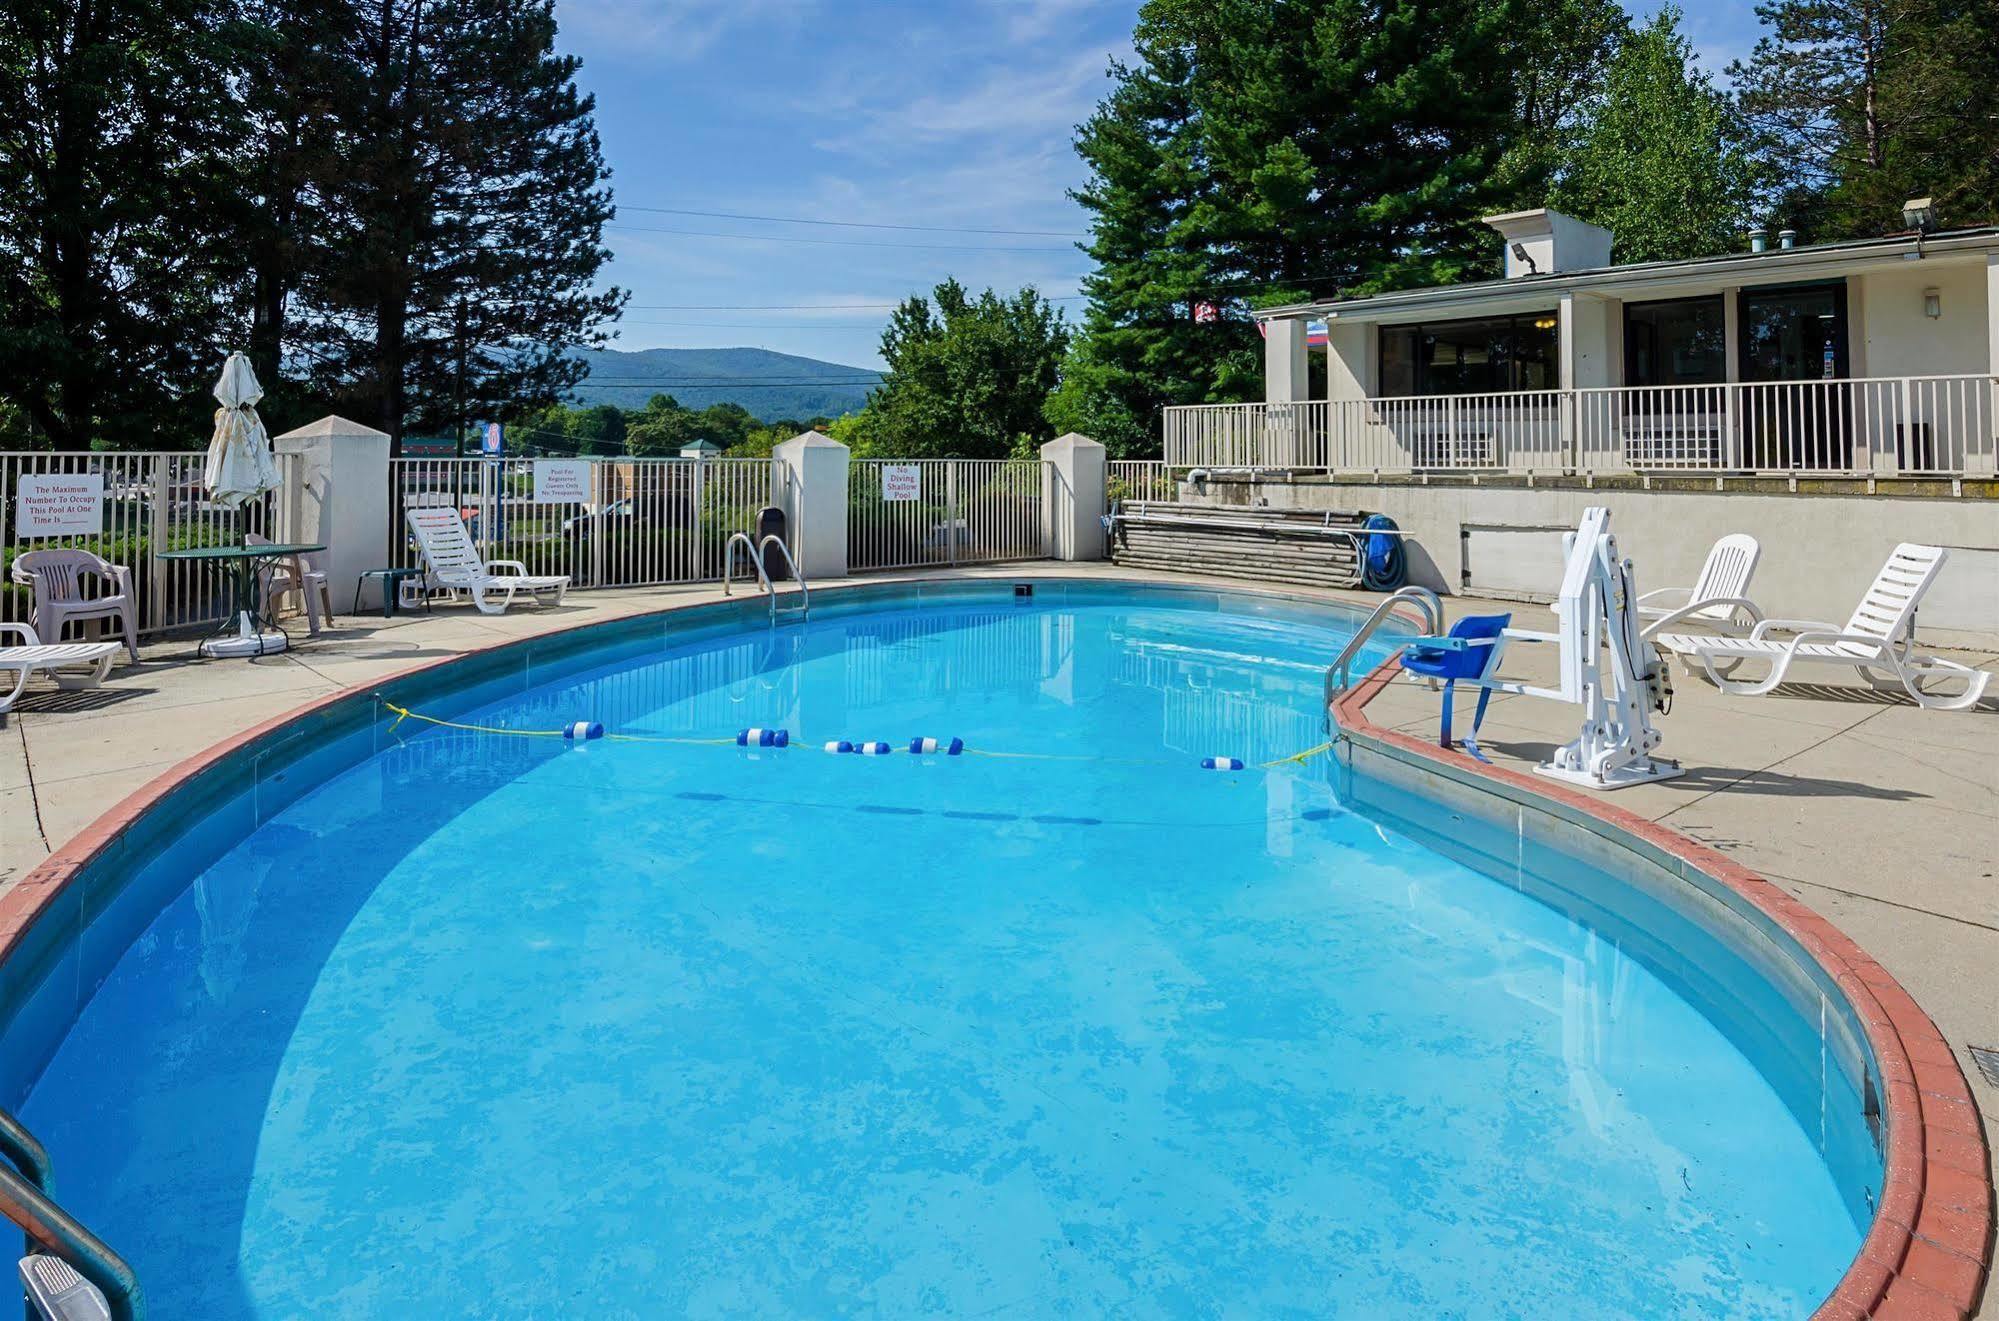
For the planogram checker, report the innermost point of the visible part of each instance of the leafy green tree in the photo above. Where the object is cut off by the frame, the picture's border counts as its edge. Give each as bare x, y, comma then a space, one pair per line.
1558, 59
1658, 158
1861, 104
474, 200
113, 117
966, 377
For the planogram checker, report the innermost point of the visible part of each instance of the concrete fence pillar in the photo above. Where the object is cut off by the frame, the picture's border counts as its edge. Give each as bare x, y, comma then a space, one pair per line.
1073, 506
808, 481
341, 500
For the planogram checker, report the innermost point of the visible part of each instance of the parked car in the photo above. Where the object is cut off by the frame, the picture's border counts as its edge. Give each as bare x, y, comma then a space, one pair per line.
581, 525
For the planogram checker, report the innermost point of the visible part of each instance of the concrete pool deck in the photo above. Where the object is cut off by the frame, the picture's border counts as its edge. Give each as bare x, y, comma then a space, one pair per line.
1882, 817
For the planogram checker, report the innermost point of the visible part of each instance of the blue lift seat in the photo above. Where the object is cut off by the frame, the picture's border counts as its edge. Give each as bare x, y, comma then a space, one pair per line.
1466, 652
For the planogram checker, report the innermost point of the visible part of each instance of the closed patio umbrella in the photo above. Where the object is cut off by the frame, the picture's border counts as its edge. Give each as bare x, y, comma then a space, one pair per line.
240, 466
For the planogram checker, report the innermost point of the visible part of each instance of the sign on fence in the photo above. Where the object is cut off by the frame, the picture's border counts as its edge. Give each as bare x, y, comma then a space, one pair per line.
902, 481
59, 504
561, 481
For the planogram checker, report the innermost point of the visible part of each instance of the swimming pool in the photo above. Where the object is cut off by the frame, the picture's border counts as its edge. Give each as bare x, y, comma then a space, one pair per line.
444, 1022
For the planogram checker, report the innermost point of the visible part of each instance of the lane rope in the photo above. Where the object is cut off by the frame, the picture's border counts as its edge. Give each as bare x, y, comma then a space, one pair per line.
405, 713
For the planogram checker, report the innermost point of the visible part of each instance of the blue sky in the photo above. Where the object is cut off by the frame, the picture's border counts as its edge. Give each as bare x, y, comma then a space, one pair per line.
943, 117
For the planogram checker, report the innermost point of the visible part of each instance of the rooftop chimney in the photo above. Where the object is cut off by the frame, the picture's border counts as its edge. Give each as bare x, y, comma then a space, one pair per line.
1544, 242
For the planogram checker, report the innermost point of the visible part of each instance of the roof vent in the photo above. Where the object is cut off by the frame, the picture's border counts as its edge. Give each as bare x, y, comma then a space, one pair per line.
1787, 239
1759, 240
1545, 242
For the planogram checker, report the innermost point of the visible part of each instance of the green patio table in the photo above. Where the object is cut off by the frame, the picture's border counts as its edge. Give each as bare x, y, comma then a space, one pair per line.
245, 563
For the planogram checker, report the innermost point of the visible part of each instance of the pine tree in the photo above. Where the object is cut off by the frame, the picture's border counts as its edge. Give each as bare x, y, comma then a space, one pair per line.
1262, 151
112, 118
1861, 104
1658, 157
472, 205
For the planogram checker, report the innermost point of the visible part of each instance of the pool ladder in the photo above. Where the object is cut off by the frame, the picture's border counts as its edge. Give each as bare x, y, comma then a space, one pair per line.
1339, 675
757, 551
58, 1244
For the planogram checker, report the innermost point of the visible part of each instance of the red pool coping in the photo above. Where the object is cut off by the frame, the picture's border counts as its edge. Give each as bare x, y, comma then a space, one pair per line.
1929, 1250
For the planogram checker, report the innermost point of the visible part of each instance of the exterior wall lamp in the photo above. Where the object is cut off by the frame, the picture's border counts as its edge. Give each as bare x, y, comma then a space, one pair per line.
1932, 303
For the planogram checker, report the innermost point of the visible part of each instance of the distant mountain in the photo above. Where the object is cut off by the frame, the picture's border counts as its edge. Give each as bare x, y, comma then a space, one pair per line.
770, 385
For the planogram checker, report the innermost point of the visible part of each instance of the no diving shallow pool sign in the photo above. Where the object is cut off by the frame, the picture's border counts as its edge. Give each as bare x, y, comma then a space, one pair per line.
902, 481
561, 481
59, 504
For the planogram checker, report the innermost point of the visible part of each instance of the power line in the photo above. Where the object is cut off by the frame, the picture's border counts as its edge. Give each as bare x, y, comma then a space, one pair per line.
837, 243
853, 224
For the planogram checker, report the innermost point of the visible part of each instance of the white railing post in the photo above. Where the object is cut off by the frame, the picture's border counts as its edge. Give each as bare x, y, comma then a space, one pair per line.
813, 470
156, 539
1072, 519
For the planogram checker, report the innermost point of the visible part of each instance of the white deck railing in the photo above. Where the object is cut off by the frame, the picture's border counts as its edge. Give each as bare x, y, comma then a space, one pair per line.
1883, 426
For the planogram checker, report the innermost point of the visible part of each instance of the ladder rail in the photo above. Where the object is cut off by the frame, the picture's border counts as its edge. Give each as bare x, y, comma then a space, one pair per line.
729, 561
756, 552
804, 591
1339, 675
25, 1200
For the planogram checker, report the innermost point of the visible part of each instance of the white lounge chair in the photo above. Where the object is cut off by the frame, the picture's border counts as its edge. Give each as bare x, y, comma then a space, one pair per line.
1719, 598
1875, 640
454, 563
70, 664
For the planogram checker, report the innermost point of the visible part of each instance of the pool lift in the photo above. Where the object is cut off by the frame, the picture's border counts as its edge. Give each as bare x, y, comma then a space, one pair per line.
1605, 666
758, 552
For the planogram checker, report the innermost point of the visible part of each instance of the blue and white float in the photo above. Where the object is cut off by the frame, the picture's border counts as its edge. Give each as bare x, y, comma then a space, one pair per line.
1221, 763
873, 748
949, 747
582, 731
764, 738
839, 745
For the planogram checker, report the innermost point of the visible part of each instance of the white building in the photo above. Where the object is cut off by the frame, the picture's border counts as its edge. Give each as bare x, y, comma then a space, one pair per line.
1831, 400
1876, 357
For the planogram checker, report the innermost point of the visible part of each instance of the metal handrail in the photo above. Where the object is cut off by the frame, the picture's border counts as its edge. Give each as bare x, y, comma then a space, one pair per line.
729, 561
756, 550
25, 1200
1339, 674
804, 592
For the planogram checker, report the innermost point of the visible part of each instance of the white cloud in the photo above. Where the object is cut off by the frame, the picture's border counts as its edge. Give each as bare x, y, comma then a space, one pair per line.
664, 29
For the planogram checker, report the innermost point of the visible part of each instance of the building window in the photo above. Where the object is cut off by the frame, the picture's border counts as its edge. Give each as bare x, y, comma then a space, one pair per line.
1681, 341
1490, 355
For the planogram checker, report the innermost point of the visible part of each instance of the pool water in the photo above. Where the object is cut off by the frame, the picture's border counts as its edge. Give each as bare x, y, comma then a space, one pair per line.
496, 1026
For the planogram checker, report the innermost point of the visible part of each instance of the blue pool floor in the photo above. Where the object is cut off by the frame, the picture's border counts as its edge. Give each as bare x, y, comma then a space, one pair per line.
490, 1026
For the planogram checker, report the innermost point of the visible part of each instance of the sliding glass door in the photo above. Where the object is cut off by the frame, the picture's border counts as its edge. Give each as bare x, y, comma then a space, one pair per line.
1797, 411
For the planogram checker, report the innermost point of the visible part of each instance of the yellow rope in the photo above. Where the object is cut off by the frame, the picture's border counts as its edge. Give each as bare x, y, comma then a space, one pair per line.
404, 713
1298, 757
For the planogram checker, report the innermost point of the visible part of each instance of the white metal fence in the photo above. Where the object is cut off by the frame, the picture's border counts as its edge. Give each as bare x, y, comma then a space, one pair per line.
1913, 425
136, 505
1139, 479
904, 514
645, 522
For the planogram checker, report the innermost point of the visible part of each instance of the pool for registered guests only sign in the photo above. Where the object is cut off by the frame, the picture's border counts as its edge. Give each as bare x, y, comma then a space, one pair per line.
59, 504
902, 481
561, 482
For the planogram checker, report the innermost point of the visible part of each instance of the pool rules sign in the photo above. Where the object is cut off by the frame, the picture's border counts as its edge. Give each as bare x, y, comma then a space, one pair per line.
902, 481
561, 481
59, 504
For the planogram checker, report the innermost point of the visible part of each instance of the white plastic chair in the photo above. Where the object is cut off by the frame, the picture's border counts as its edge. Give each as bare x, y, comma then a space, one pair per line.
56, 577
295, 574
1874, 641
1719, 598
70, 664
455, 563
